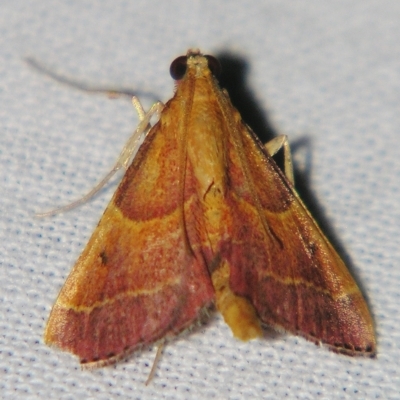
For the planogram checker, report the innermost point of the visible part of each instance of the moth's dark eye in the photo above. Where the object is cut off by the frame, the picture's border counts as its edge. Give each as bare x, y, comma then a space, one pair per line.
178, 68
214, 65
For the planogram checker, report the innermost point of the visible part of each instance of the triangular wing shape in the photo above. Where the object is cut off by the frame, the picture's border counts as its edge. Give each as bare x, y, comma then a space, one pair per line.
280, 260
137, 280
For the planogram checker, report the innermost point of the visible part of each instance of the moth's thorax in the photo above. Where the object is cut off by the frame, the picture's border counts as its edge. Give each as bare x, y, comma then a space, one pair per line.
205, 130
206, 145
205, 133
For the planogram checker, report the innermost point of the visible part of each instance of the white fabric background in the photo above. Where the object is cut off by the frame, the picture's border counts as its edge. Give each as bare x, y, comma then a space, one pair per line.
327, 74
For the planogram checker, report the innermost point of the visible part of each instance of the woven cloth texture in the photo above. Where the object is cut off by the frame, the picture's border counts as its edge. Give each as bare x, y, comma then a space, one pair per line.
327, 74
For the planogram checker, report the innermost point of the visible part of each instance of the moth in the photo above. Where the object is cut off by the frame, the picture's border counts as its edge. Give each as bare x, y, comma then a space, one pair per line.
204, 218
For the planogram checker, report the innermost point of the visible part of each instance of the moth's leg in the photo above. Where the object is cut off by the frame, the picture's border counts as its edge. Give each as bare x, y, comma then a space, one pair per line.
134, 142
157, 358
128, 152
274, 145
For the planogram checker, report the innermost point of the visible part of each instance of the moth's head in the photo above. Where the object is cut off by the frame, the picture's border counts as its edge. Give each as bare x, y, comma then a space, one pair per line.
196, 62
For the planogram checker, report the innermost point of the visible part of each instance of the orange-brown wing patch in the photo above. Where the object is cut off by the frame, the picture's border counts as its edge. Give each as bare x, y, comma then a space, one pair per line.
281, 261
136, 281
